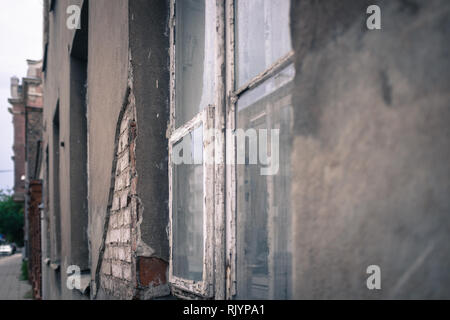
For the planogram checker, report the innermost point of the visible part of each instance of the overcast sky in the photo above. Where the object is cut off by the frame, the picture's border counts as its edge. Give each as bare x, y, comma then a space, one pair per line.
20, 39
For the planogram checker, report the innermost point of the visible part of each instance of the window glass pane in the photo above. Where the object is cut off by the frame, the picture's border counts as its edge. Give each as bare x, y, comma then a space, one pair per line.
264, 251
195, 53
187, 206
262, 36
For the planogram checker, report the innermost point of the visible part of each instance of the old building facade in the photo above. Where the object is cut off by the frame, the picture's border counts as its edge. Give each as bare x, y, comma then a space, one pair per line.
27, 101
349, 128
26, 108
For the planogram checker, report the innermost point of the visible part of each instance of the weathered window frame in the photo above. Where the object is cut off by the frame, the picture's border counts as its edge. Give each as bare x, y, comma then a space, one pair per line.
203, 288
232, 97
220, 266
214, 174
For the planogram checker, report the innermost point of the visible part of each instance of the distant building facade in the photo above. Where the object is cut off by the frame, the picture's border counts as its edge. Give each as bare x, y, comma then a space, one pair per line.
18, 112
27, 101
361, 172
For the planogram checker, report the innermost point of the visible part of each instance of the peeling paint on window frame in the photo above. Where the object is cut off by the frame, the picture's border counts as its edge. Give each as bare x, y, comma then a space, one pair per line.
213, 283
220, 266
203, 288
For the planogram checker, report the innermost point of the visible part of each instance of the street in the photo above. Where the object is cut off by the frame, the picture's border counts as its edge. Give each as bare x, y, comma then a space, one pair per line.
11, 288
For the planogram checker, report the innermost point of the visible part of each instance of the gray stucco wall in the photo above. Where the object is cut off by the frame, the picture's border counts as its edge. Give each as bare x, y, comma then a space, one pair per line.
56, 88
108, 73
107, 76
371, 156
150, 64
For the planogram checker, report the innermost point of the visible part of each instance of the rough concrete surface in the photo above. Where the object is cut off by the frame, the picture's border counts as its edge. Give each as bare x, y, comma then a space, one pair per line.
371, 155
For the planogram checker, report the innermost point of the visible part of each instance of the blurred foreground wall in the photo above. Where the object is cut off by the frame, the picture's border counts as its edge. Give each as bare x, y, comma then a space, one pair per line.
371, 153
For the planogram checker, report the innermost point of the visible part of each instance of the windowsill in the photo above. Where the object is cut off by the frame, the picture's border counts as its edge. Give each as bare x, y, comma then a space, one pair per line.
55, 266
85, 283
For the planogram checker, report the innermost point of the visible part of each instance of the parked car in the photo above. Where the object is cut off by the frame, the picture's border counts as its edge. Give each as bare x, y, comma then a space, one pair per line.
7, 249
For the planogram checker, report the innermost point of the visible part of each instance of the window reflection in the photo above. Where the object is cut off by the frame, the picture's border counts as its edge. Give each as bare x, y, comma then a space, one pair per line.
262, 36
195, 53
264, 252
187, 206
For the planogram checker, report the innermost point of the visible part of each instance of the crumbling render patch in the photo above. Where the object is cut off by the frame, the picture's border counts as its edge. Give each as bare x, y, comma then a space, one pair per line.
118, 263
127, 268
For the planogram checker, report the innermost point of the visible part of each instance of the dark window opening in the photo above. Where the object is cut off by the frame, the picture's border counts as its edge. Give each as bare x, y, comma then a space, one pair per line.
56, 209
78, 145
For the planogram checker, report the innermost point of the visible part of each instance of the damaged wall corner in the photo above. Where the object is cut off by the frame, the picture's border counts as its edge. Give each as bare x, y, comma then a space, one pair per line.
150, 63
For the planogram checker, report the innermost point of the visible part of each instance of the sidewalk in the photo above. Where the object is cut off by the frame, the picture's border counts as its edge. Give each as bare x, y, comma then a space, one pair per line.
11, 288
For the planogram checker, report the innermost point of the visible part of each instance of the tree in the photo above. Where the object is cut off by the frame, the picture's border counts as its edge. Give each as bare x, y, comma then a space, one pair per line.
11, 218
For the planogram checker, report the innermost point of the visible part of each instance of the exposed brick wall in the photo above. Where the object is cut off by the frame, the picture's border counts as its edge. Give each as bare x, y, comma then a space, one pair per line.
118, 264
34, 234
19, 149
128, 269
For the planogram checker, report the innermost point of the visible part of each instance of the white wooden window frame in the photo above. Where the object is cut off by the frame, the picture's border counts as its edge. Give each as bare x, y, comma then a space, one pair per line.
233, 94
220, 207
213, 174
204, 287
